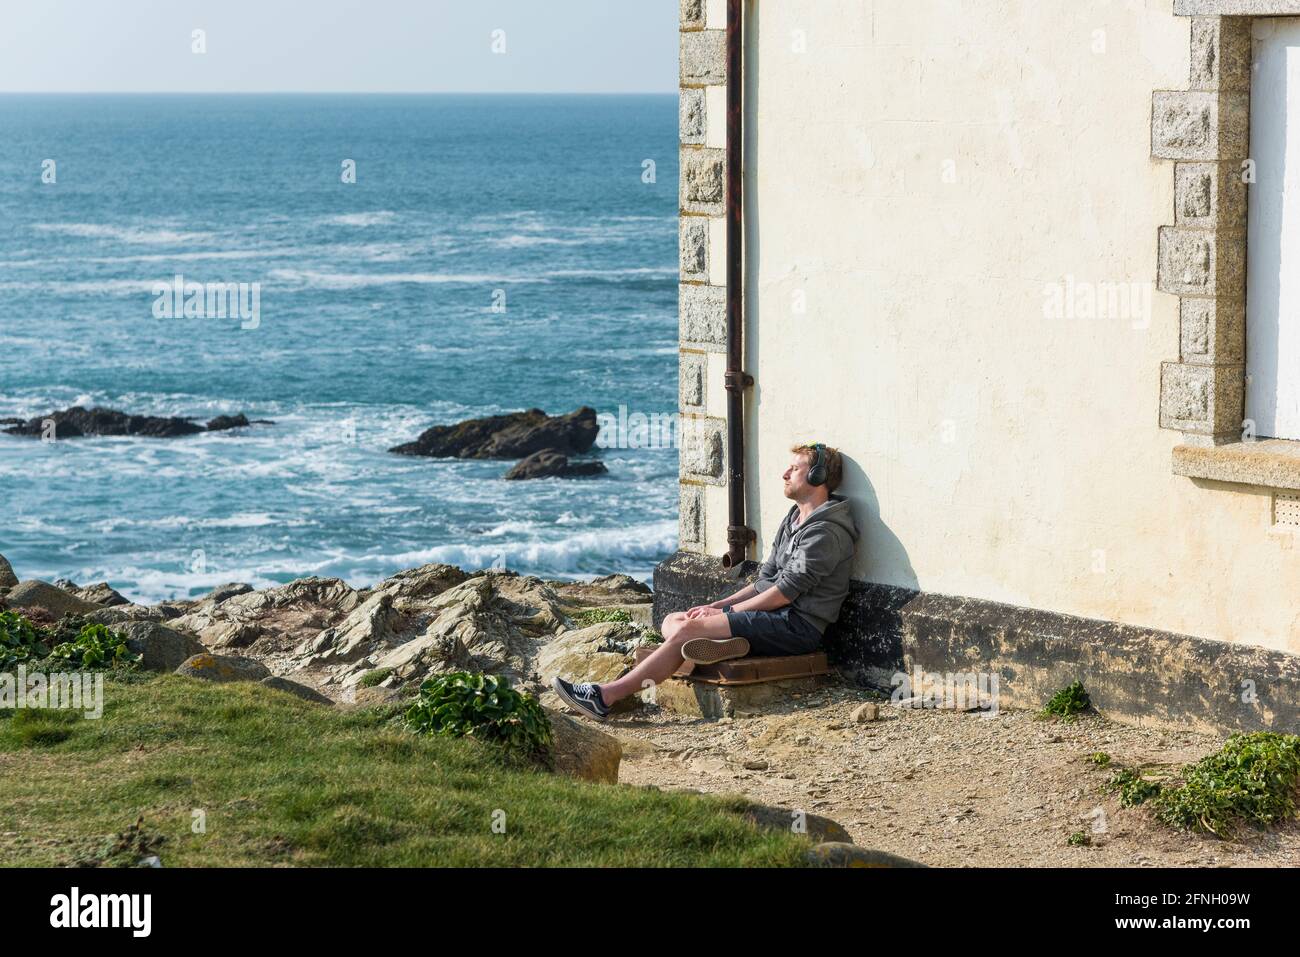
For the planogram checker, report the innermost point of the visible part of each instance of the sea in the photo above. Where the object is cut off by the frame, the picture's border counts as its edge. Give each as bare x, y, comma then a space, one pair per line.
418, 260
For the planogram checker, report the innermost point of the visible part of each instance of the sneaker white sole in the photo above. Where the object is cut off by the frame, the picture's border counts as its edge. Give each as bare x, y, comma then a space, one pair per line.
709, 651
572, 703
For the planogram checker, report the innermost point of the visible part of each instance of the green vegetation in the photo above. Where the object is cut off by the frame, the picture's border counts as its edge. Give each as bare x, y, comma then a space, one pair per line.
73, 640
1079, 839
1067, 703
95, 647
1132, 787
485, 706
1253, 779
372, 678
595, 616
280, 781
1099, 758
20, 640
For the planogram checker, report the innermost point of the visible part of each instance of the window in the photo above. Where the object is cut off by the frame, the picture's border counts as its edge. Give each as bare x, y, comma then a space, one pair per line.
1273, 233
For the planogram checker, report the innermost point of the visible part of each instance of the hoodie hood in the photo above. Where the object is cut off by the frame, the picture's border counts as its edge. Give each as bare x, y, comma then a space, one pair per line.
834, 511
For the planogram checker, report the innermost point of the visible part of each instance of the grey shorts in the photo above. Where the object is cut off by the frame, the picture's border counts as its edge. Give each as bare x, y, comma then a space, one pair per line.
772, 633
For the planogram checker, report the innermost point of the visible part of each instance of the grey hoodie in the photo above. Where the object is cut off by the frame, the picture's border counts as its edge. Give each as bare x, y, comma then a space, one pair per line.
810, 562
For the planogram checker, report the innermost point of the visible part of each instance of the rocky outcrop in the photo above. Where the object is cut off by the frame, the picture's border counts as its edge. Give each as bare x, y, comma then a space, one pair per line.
54, 601
819, 829
552, 463
840, 854
296, 689
160, 648
222, 592
512, 436
77, 421
98, 594
493, 623
223, 422
582, 751
274, 620
222, 668
600, 653
7, 577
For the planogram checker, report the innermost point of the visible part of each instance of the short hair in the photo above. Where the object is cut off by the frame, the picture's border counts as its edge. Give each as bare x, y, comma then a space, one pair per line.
834, 464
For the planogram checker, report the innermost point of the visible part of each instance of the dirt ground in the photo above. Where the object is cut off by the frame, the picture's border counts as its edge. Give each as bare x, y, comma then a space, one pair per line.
943, 788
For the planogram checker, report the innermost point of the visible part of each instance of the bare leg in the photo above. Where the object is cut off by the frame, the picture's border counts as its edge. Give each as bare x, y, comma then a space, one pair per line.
677, 629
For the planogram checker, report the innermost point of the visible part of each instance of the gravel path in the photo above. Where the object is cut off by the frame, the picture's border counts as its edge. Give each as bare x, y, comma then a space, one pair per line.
947, 789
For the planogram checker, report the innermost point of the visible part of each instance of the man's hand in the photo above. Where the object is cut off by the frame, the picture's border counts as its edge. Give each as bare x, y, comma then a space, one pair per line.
703, 611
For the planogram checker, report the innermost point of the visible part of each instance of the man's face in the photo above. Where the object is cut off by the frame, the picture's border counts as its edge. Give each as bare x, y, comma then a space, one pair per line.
796, 476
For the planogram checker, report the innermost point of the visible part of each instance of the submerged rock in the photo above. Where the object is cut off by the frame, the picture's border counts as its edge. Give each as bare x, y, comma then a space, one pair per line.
223, 422
552, 463
512, 436
77, 421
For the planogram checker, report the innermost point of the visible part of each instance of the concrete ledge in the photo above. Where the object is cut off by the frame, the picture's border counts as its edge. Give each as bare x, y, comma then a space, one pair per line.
698, 699
1136, 675
1271, 463
1237, 8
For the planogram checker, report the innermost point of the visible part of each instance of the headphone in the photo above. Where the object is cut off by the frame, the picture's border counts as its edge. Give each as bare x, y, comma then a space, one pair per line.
817, 472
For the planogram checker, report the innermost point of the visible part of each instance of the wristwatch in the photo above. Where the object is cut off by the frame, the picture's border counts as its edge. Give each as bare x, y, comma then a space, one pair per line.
725, 609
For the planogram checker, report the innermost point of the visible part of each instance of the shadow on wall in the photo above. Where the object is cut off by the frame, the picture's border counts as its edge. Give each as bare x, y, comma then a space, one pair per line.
868, 637
880, 552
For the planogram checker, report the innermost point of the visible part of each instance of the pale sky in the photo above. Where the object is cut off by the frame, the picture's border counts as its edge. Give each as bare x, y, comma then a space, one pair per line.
551, 46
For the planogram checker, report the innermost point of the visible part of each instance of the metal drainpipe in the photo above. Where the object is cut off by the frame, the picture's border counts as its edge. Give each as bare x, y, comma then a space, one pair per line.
739, 535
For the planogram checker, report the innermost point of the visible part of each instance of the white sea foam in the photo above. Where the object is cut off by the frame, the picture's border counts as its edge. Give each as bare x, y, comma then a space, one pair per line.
376, 218
326, 280
125, 234
633, 542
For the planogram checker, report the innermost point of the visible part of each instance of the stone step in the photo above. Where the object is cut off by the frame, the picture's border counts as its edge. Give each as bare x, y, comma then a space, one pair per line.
742, 685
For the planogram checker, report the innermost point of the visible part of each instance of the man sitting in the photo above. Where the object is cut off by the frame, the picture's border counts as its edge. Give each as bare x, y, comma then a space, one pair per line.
798, 592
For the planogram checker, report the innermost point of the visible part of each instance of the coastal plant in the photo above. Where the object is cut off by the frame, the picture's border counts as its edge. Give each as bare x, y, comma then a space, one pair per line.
96, 646
484, 707
1132, 787
20, 640
1099, 758
1079, 839
1253, 779
596, 616
1068, 703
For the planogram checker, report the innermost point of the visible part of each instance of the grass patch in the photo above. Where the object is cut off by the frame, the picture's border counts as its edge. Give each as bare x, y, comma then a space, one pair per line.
372, 678
596, 616
283, 781
1067, 704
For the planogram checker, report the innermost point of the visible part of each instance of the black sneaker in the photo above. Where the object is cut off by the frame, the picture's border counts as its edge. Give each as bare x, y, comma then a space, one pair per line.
583, 698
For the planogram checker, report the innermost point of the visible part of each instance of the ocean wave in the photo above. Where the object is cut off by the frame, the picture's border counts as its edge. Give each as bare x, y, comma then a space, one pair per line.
125, 234
325, 280
634, 542
375, 218
98, 287
246, 520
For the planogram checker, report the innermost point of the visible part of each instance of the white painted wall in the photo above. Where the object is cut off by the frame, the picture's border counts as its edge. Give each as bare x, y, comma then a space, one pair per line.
1273, 233
938, 178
